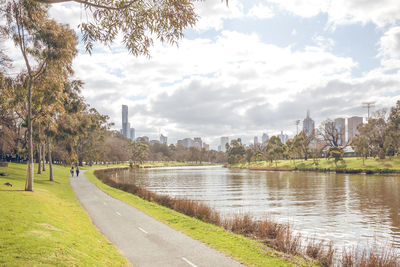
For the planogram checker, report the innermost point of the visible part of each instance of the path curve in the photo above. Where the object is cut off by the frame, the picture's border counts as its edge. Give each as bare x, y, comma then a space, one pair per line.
141, 238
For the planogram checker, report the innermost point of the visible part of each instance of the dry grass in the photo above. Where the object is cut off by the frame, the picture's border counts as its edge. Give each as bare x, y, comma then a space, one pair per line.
268, 231
375, 257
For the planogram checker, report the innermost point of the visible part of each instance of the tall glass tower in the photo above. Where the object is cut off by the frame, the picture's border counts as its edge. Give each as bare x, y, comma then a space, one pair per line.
125, 124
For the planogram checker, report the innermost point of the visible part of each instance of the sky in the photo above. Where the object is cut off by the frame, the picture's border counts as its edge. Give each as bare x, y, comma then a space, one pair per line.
250, 68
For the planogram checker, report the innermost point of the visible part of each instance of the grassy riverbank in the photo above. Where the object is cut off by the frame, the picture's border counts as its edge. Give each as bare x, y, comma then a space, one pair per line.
245, 250
370, 165
48, 226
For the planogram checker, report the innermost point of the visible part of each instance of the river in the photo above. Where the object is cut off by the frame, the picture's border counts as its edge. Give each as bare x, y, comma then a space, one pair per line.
349, 209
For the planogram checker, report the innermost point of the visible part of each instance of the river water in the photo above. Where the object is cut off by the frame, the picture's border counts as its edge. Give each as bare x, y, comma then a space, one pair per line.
349, 209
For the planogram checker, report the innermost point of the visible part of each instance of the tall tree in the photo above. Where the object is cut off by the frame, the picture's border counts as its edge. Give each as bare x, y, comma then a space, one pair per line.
42, 43
274, 149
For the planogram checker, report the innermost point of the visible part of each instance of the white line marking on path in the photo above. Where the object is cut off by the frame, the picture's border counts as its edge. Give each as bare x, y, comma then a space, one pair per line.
118, 213
141, 229
188, 262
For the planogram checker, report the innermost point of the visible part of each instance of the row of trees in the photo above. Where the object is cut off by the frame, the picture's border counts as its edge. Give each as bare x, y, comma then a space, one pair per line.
40, 107
379, 137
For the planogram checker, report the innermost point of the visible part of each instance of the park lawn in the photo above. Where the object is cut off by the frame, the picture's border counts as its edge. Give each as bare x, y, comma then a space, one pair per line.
347, 163
48, 226
243, 249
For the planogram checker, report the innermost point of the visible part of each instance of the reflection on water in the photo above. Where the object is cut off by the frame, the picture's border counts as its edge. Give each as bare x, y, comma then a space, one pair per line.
347, 209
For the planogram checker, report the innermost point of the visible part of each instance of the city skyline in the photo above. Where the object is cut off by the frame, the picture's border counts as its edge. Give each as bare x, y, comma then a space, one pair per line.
347, 127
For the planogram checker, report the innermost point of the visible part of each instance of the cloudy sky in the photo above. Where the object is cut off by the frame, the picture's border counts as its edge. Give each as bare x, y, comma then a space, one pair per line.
252, 67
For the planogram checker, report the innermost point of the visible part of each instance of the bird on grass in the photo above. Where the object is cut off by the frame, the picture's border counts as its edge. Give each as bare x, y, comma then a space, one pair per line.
9, 184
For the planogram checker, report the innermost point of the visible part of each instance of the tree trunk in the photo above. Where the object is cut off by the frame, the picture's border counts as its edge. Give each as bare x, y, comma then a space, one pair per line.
29, 175
39, 158
50, 160
44, 156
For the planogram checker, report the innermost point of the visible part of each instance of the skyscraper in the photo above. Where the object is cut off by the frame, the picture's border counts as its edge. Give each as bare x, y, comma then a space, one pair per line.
255, 140
308, 125
198, 143
340, 125
125, 126
224, 141
163, 139
265, 138
132, 133
352, 124
283, 137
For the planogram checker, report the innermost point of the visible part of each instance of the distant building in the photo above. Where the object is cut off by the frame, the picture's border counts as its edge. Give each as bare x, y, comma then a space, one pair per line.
352, 124
132, 133
163, 139
198, 143
265, 138
125, 124
308, 125
186, 143
206, 146
340, 125
283, 137
255, 140
224, 141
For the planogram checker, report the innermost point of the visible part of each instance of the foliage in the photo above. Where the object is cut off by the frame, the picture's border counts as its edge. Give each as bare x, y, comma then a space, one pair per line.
140, 151
138, 22
235, 151
274, 149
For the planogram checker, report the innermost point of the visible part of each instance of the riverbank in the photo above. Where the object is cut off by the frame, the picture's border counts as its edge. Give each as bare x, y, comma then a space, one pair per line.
241, 248
48, 226
348, 165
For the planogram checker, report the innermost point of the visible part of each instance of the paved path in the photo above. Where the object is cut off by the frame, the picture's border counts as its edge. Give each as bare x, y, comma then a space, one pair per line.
142, 239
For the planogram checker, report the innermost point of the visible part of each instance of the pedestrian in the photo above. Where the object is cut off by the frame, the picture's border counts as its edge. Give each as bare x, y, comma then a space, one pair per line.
72, 171
77, 171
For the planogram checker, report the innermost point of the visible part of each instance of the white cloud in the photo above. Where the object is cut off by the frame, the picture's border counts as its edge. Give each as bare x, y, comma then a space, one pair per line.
213, 13
260, 11
340, 12
390, 43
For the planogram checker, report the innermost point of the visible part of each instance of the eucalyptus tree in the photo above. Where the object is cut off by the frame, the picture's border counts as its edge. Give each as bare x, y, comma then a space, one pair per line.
43, 44
274, 149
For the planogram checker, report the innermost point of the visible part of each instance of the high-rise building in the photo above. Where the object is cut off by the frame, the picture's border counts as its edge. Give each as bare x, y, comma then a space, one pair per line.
352, 124
265, 138
308, 125
224, 141
132, 133
340, 126
186, 142
125, 126
198, 143
283, 137
255, 140
163, 139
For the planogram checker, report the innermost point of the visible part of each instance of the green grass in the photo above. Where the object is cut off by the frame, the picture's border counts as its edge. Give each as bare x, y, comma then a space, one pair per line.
48, 226
347, 163
245, 250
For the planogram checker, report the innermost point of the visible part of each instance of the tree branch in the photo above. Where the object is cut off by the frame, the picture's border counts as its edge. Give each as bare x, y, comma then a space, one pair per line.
85, 2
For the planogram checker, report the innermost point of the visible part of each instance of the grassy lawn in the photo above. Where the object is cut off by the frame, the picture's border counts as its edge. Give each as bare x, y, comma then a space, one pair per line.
245, 250
48, 226
347, 163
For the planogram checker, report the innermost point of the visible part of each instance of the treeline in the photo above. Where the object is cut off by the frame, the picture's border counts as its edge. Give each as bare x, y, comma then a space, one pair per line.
379, 137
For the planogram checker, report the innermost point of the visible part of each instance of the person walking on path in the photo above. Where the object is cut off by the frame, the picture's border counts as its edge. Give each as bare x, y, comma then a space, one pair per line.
77, 171
72, 171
